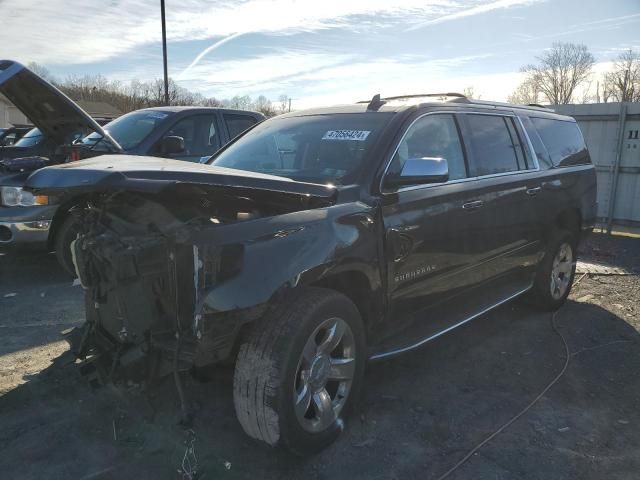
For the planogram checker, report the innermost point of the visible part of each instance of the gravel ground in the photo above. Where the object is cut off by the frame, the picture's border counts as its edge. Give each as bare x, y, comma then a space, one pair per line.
419, 414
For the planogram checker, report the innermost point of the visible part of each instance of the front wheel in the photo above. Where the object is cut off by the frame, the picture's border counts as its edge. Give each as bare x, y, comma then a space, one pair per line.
299, 370
556, 272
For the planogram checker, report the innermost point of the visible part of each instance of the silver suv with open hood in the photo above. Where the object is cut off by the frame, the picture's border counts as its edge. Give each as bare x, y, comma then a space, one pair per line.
66, 133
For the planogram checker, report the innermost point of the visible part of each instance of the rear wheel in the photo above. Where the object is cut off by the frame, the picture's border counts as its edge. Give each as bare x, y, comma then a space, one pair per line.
556, 272
299, 370
65, 234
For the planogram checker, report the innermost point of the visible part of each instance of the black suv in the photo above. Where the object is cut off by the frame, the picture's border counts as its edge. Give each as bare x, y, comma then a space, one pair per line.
320, 240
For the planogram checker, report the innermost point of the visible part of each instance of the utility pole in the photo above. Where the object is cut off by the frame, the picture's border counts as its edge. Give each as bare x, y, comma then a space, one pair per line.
289, 104
164, 54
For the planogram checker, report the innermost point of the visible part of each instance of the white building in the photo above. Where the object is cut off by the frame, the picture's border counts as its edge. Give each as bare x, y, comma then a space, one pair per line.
10, 115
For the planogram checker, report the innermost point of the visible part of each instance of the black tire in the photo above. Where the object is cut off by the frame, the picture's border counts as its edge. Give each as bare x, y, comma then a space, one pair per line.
268, 371
540, 296
65, 234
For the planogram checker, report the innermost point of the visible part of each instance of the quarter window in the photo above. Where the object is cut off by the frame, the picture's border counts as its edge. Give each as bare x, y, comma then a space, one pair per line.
544, 160
563, 140
236, 124
432, 136
491, 145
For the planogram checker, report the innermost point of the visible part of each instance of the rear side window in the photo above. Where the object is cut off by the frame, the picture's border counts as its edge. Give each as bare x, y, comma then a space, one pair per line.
563, 140
492, 146
236, 124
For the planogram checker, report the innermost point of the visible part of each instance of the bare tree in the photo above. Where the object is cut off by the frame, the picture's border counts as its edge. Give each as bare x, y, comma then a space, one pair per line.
263, 105
212, 102
622, 83
143, 94
526, 93
242, 102
40, 70
560, 71
284, 103
470, 92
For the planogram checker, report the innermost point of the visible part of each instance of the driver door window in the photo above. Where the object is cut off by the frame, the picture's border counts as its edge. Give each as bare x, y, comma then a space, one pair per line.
200, 134
432, 136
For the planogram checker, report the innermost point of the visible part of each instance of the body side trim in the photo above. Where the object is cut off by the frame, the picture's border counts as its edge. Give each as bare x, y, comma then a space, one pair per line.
392, 353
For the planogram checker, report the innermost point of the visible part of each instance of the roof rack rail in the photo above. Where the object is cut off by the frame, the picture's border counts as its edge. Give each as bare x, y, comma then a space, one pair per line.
448, 94
374, 103
538, 106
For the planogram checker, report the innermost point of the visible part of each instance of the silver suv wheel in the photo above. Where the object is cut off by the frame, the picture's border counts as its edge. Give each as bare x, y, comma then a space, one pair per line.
324, 375
561, 271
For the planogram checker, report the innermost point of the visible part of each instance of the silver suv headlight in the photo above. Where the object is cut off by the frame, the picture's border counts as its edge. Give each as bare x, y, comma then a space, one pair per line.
18, 197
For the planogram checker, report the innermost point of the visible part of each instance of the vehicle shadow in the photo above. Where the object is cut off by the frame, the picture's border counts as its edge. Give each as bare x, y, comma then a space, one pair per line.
418, 415
609, 251
37, 301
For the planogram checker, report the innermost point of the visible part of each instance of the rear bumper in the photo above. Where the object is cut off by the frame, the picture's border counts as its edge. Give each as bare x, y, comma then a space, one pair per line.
25, 226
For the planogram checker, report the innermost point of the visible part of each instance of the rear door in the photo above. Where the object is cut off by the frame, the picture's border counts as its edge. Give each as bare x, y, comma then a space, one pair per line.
507, 231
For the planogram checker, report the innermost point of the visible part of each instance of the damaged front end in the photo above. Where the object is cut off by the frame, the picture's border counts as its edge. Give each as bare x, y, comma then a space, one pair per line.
140, 296
152, 262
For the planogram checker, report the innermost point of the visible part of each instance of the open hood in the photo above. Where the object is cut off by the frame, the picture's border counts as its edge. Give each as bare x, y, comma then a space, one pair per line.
154, 175
55, 114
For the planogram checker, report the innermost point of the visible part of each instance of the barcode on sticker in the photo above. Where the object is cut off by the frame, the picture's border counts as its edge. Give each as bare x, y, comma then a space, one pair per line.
357, 135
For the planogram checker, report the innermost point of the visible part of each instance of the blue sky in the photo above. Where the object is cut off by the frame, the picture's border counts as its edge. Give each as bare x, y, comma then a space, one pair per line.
317, 52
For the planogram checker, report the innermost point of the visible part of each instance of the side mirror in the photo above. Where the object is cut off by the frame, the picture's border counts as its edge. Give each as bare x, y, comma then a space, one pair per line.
171, 145
418, 171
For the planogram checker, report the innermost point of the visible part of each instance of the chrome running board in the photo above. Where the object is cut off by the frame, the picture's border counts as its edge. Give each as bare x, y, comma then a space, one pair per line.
392, 353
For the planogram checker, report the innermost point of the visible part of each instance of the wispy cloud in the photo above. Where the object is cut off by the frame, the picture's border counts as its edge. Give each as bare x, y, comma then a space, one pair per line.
284, 16
476, 10
316, 51
85, 31
75, 31
347, 77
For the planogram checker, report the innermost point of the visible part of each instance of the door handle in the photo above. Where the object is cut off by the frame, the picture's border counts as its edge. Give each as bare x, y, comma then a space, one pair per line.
532, 192
473, 205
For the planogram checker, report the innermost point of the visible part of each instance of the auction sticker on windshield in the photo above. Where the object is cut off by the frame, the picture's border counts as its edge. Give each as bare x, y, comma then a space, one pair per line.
357, 135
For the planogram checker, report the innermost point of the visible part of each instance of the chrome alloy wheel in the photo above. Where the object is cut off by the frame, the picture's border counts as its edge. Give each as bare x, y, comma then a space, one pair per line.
324, 375
561, 271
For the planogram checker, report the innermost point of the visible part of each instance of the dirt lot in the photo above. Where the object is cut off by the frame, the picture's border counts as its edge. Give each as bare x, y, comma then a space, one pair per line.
419, 415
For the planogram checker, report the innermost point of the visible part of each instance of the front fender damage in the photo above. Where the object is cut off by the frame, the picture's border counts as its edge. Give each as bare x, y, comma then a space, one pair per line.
155, 268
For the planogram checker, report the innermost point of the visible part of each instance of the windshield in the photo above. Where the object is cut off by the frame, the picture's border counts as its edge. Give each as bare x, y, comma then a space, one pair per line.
128, 130
31, 138
315, 148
